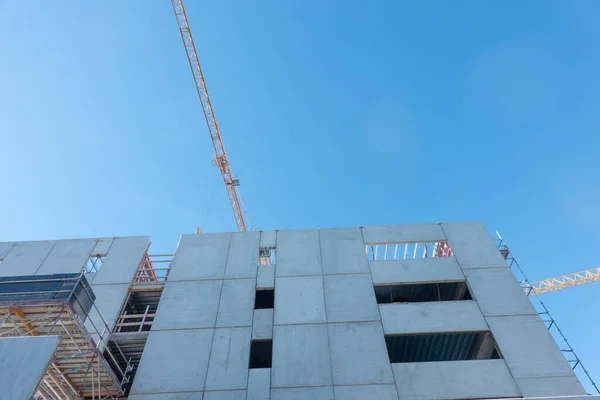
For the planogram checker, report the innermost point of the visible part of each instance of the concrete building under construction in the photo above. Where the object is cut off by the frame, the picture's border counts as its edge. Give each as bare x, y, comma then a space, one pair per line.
426, 311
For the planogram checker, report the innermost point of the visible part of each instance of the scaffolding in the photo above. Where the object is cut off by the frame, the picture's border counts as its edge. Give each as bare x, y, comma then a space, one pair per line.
84, 365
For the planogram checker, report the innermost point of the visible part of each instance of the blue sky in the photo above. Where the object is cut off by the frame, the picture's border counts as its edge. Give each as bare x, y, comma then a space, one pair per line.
332, 113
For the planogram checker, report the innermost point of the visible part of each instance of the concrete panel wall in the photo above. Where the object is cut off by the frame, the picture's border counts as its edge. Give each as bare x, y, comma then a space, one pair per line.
243, 255
446, 316
259, 384
416, 270
366, 392
350, 298
299, 300
454, 380
122, 260
268, 239
300, 356
108, 304
343, 251
305, 393
23, 363
225, 395
498, 293
237, 303
102, 246
265, 277
262, 326
359, 354
403, 234
25, 258
174, 361
555, 386
168, 396
298, 253
5, 247
473, 246
200, 257
189, 304
228, 367
67, 256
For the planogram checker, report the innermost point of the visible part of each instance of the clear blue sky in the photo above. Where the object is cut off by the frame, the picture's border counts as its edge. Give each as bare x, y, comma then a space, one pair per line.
333, 114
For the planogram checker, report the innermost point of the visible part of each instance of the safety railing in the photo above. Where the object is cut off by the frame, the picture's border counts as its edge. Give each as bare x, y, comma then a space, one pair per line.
407, 251
149, 273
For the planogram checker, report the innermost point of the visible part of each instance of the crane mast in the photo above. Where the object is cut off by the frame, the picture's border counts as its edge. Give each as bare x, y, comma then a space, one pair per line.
220, 155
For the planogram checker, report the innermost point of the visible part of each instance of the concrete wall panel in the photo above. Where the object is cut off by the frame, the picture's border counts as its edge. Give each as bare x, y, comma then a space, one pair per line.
299, 300
67, 256
200, 257
237, 303
262, 326
102, 246
259, 384
473, 246
358, 354
265, 277
350, 298
556, 386
366, 392
123, 260
168, 396
298, 253
243, 255
418, 270
528, 348
268, 239
445, 316
343, 251
174, 361
108, 305
315, 393
403, 234
191, 304
23, 363
300, 356
228, 367
498, 293
25, 258
5, 248
226, 395
454, 380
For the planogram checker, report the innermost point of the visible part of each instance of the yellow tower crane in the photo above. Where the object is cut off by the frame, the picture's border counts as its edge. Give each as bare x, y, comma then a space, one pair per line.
213, 128
563, 282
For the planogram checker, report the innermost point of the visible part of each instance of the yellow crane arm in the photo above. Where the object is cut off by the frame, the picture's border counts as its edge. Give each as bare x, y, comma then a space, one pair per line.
220, 155
563, 282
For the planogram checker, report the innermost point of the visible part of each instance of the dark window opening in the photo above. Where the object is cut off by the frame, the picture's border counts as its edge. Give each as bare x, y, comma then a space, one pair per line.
441, 347
266, 256
138, 312
264, 299
261, 353
422, 292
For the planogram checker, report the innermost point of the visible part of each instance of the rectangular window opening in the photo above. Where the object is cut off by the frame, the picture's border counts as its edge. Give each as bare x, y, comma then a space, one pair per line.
407, 251
264, 299
138, 312
441, 347
261, 353
93, 264
422, 292
266, 256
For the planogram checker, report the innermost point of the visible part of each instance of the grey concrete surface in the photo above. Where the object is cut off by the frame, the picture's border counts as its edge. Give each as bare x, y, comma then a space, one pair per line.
229, 357
403, 234
554, 386
298, 253
188, 304
123, 260
102, 246
108, 304
268, 239
454, 380
237, 303
299, 300
432, 317
22, 369
225, 395
418, 270
5, 247
303, 393
350, 298
472, 245
259, 384
262, 326
25, 258
243, 255
168, 396
366, 392
498, 292
67, 256
528, 348
343, 251
200, 257
359, 354
300, 356
174, 361
265, 277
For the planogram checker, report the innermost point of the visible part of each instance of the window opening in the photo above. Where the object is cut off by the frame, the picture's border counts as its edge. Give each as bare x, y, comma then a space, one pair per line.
266, 256
264, 299
407, 251
94, 263
422, 292
261, 353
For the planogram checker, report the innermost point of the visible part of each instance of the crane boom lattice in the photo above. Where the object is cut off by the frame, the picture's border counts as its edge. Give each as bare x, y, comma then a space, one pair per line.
220, 155
565, 281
